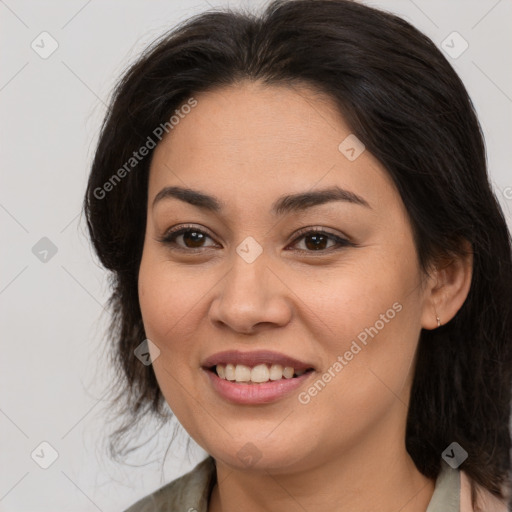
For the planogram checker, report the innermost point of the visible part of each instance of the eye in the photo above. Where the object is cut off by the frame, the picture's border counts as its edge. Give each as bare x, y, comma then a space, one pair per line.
316, 240
190, 236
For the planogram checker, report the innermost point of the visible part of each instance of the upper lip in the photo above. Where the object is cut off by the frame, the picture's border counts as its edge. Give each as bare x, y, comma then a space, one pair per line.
254, 358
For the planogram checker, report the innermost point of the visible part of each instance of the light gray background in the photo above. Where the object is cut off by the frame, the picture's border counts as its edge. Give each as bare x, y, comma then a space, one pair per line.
53, 373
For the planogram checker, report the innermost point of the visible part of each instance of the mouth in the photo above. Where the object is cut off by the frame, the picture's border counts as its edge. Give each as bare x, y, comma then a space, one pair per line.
258, 374
257, 377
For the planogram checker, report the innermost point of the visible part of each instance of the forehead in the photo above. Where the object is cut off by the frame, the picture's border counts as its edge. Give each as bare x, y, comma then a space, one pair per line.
253, 119
264, 139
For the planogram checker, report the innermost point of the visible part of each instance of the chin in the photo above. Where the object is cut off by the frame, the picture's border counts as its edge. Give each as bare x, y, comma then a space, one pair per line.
254, 456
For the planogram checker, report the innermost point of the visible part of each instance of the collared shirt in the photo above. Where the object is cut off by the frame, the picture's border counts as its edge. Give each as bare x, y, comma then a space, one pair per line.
191, 492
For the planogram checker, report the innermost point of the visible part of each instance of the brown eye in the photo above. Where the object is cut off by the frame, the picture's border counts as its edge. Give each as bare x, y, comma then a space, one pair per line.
191, 238
317, 241
313, 240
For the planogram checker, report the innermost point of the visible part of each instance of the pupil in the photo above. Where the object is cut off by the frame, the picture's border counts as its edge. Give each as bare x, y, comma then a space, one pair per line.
195, 239
189, 236
319, 242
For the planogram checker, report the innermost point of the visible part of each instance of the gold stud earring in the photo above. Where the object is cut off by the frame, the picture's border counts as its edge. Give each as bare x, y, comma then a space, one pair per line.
438, 321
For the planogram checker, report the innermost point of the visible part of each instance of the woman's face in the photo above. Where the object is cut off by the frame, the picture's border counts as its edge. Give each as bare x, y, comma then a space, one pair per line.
249, 276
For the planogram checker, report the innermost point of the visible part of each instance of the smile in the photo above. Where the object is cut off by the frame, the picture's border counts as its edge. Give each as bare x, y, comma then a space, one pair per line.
256, 377
242, 374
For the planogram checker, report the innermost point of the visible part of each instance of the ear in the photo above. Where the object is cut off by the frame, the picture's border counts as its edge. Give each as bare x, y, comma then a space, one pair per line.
447, 287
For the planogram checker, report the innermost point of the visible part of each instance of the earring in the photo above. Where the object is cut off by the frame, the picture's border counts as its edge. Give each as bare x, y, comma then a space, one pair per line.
438, 321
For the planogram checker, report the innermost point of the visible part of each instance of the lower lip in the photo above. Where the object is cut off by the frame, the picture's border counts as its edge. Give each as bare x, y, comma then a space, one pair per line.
255, 393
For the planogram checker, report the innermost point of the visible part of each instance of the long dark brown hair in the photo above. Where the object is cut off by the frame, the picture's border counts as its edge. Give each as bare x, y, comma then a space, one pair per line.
404, 101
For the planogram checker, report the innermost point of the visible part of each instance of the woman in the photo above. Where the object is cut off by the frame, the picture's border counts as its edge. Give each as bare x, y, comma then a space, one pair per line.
303, 240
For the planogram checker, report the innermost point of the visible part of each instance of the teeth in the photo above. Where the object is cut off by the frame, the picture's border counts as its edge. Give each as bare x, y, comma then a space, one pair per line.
242, 373
288, 372
258, 374
276, 372
221, 371
230, 372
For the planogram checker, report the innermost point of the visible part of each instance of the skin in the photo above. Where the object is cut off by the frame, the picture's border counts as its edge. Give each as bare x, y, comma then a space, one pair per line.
248, 145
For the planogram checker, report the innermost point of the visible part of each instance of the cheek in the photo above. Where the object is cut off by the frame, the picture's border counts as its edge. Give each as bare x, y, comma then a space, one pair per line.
169, 297
169, 304
174, 305
339, 311
371, 322
373, 288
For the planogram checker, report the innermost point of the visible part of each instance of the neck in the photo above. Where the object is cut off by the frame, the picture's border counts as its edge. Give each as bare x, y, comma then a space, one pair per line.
379, 476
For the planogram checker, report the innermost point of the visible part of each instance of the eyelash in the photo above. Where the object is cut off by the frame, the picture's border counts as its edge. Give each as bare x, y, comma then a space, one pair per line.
169, 239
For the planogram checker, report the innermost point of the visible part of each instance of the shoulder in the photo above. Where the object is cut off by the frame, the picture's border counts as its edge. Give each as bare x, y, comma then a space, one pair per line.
190, 491
485, 500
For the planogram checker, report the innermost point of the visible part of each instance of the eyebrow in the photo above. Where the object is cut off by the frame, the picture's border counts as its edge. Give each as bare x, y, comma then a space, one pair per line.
283, 205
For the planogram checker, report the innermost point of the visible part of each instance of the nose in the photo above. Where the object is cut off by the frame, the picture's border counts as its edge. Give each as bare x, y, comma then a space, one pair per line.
251, 297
